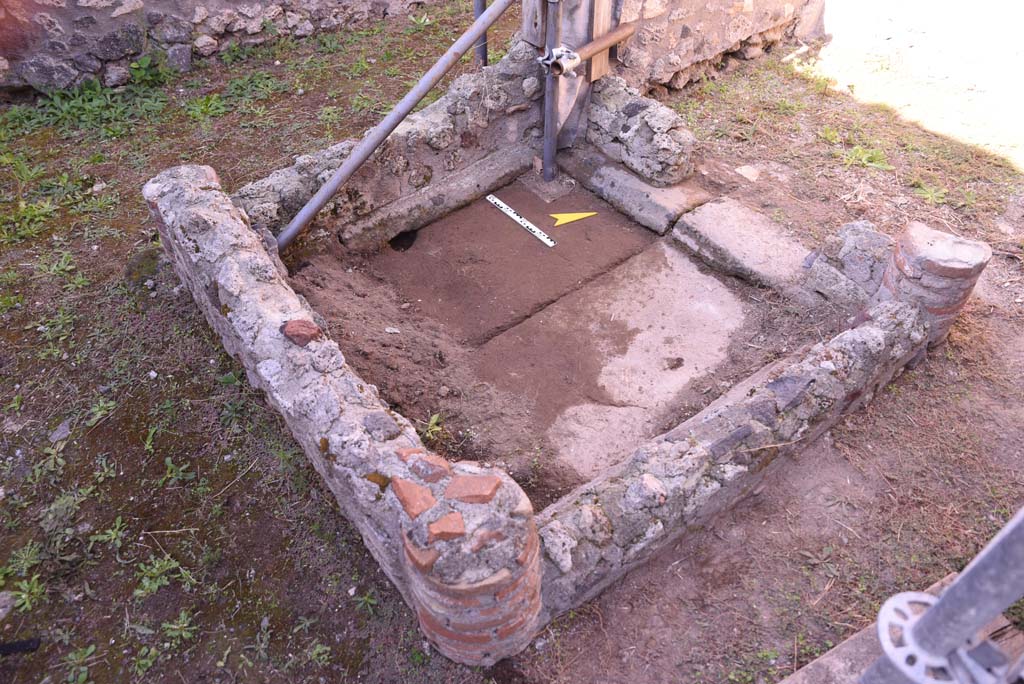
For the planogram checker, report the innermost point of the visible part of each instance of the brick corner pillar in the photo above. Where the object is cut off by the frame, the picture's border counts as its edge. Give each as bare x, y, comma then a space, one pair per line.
935, 270
471, 558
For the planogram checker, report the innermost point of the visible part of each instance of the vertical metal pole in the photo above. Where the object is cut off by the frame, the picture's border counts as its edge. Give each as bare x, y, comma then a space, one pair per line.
480, 49
552, 41
990, 584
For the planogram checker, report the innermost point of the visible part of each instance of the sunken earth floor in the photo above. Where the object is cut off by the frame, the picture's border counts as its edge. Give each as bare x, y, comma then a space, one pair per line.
547, 361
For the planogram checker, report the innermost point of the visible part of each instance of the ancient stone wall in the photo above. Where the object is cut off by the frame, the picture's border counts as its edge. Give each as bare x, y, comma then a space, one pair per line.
484, 132
53, 44
460, 541
678, 41
457, 540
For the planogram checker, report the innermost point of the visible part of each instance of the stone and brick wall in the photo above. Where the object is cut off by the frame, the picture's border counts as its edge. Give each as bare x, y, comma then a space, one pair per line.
53, 44
457, 540
461, 541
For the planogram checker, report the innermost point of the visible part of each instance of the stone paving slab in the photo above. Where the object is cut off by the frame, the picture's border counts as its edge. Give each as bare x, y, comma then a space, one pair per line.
733, 238
637, 337
478, 272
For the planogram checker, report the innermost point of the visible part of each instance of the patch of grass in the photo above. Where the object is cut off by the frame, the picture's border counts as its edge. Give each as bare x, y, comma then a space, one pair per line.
867, 157
87, 107
236, 53
25, 220
259, 85
206, 107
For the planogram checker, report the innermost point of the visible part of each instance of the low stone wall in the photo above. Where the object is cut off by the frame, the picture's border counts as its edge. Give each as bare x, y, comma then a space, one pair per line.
600, 531
460, 541
482, 134
457, 540
52, 44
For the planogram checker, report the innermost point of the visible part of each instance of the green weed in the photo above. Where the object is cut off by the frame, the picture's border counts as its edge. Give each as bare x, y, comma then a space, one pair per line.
28, 594
175, 474
206, 107
180, 629
868, 157
155, 574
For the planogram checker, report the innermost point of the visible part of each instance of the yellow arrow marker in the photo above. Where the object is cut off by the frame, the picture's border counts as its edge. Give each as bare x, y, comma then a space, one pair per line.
562, 219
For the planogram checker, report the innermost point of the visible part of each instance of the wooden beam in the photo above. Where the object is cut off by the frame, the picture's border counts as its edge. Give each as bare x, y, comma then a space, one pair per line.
601, 23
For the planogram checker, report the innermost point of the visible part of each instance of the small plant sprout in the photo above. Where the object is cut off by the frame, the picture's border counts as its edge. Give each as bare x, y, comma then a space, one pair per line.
29, 593
100, 410
157, 573
175, 474
145, 659
366, 602
319, 653
113, 535
433, 429
180, 629
77, 664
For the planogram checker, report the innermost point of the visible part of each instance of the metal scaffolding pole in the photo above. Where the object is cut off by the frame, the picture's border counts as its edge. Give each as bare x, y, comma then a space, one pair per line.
927, 639
480, 49
378, 134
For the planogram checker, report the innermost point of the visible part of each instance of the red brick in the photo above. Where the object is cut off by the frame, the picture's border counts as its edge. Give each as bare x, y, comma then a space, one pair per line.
422, 559
301, 332
415, 498
528, 580
473, 488
484, 625
406, 452
530, 547
510, 629
483, 537
433, 627
450, 526
430, 467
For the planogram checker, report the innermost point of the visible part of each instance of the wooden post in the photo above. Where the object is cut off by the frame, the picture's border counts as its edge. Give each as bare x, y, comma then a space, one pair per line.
601, 23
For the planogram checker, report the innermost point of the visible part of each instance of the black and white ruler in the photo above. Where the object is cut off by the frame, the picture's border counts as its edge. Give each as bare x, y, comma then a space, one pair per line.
521, 220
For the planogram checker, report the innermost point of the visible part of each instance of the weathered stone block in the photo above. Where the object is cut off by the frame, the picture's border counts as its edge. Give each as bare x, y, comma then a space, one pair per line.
735, 239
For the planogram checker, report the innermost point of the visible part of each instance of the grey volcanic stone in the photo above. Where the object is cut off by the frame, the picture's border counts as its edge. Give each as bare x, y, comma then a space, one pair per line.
172, 30
87, 63
116, 75
121, 42
734, 238
179, 58
45, 72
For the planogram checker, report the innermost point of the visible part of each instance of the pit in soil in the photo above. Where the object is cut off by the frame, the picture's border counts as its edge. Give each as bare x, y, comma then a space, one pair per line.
552, 362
